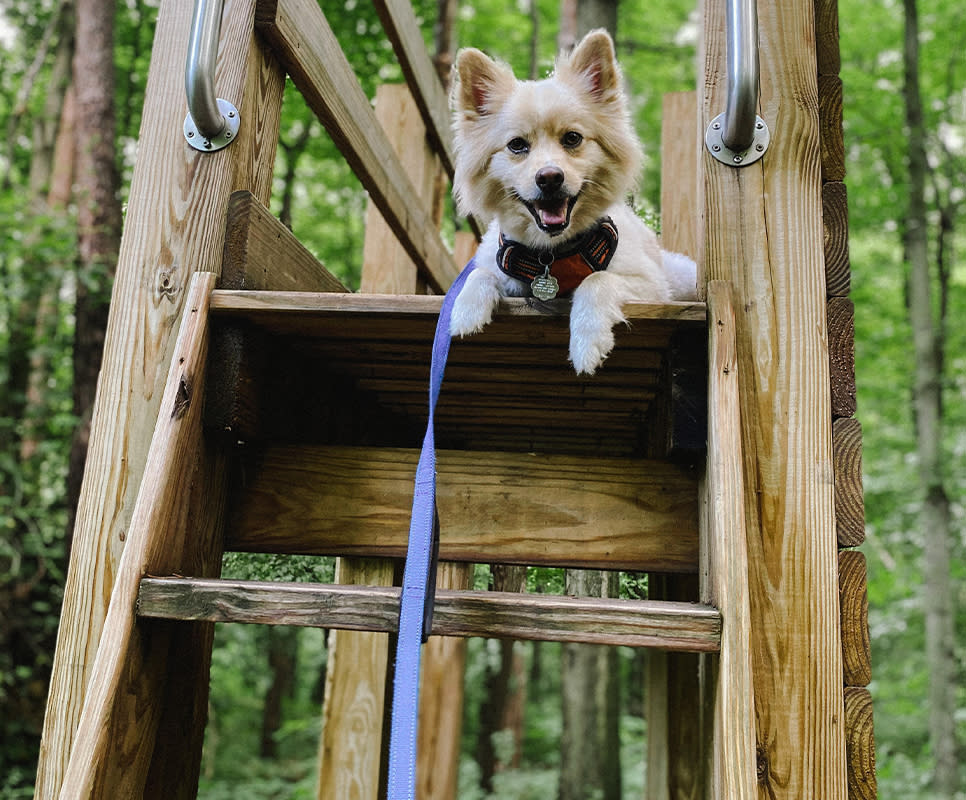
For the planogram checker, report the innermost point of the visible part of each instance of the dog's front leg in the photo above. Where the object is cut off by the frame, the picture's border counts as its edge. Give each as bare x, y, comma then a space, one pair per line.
476, 302
596, 310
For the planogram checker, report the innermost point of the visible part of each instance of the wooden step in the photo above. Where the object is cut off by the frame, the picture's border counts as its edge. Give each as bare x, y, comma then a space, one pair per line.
549, 510
510, 387
638, 623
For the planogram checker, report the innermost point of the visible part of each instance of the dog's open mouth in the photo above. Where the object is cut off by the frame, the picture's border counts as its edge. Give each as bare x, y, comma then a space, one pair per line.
552, 214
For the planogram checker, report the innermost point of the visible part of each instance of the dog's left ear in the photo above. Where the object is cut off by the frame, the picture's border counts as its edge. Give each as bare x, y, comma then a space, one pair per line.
594, 62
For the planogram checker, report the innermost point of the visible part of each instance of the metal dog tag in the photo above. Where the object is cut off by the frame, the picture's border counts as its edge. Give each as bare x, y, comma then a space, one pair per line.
545, 287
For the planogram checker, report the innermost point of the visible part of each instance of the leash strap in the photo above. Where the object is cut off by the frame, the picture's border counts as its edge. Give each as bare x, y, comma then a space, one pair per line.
419, 577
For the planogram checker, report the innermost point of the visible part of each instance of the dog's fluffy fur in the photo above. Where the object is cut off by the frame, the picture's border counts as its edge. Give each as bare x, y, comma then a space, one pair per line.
575, 128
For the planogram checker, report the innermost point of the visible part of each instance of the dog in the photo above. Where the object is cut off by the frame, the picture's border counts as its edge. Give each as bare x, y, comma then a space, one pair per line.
550, 164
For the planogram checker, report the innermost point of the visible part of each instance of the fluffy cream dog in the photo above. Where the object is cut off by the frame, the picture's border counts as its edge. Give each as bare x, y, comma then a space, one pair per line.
551, 163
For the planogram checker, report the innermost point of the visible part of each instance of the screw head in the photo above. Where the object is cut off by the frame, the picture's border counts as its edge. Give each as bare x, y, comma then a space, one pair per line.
716, 126
737, 159
760, 147
716, 148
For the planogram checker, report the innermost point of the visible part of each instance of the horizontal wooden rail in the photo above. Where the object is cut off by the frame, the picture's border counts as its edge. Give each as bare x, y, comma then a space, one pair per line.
636, 623
310, 52
607, 513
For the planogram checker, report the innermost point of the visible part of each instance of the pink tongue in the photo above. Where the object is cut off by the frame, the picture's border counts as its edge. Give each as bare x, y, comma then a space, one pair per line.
553, 216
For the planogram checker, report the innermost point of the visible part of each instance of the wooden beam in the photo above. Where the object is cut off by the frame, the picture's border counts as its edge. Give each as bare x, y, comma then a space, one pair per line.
841, 347
117, 728
690, 627
502, 507
313, 57
860, 744
174, 225
835, 221
854, 602
400, 25
847, 465
262, 254
724, 546
763, 232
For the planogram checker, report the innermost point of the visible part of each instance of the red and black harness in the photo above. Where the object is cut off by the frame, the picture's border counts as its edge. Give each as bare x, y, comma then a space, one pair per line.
550, 273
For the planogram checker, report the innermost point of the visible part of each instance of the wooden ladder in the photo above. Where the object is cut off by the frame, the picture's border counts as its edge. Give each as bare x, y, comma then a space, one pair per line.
322, 396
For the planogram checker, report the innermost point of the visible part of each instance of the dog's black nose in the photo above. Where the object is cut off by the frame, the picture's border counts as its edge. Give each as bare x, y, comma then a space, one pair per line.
549, 179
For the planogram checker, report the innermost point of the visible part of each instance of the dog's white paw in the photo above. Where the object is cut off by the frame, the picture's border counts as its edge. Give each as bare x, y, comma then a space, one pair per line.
474, 305
589, 346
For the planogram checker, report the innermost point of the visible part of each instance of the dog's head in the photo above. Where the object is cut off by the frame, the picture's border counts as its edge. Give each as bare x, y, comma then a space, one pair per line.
546, 158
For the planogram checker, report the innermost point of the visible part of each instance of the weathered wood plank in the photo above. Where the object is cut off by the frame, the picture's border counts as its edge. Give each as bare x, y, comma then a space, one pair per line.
841, 355
501, 507
835, 221
689, 627
174, 224
860, 743
723, 540
847, 464
827, 37
830, 118
854, 602
266, 306
313, 57
679, 168
763, 231
116, 732
399, 23
262, 254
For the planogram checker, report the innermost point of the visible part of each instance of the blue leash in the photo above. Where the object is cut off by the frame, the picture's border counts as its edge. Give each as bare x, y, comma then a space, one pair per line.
419, 577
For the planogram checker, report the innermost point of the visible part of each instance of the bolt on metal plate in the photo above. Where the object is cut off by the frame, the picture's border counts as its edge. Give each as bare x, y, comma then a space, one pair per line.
733, 158
228, 134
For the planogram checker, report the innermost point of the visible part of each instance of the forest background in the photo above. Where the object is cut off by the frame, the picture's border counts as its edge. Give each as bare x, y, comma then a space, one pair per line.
906, 158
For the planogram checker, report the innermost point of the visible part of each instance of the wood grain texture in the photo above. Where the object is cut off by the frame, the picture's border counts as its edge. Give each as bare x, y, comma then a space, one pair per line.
262, 254
313, 57
827, 37
860, 743
501, 507
854, 602
835, 220
679, 172
830, 120
847, 463
841, 355
763, 231
116, 731
689, 627
733, 759
174, 225
351, 748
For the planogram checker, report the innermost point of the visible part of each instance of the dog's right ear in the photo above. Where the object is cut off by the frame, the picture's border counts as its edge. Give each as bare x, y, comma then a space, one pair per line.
483, 84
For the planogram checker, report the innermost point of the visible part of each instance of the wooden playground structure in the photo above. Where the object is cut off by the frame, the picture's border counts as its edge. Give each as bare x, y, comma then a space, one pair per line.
248, 402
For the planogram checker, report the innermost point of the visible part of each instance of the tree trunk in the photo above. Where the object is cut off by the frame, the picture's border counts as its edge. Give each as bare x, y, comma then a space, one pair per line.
928, 340
98, 213
282, 645
498, 697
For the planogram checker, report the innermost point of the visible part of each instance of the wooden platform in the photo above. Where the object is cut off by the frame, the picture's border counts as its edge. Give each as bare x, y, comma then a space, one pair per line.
508, 388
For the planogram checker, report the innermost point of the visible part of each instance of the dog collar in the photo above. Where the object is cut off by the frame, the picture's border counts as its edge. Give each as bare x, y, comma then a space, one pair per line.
549, 272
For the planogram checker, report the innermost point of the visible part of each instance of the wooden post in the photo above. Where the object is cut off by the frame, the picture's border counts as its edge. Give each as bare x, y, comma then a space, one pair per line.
357, 674
674, 741
174, 226
763, 233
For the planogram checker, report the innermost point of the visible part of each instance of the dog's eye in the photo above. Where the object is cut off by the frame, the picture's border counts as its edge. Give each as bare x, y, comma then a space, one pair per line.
571, 139
518, 145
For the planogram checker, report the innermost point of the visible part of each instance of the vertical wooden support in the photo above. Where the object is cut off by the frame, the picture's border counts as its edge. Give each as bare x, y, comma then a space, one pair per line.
174, 226
724, 568
763, 232
349, 767
674, 738
119, 723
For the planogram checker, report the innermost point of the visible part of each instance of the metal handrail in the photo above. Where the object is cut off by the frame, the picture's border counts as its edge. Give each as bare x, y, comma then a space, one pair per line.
211, 122
739, 137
